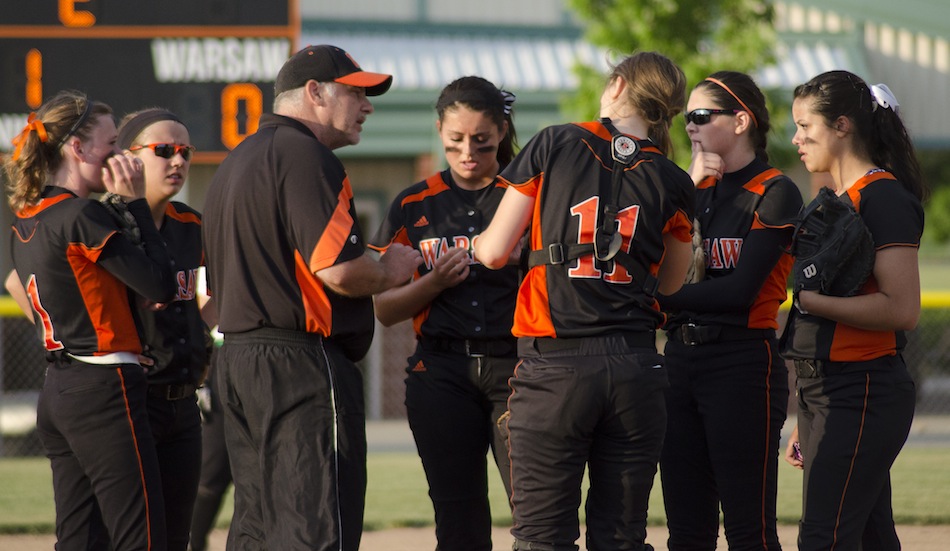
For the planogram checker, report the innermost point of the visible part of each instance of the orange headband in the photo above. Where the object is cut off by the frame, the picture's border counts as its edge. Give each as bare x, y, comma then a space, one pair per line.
742, 103
32, 123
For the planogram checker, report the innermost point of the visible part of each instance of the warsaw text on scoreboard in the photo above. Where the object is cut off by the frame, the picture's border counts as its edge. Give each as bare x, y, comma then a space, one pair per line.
211, 62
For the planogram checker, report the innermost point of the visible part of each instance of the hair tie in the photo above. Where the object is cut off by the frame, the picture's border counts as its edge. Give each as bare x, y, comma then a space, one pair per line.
509, 98
32, 124
742, 103
883, 96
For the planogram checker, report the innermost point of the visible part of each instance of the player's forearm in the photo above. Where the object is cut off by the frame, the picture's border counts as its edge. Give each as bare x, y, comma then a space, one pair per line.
18, 293
359, 277
404, 302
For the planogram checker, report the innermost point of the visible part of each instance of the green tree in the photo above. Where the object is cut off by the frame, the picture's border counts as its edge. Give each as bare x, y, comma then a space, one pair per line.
701, 36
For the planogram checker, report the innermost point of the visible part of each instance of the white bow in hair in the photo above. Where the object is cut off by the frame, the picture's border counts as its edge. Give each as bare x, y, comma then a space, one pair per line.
884, 97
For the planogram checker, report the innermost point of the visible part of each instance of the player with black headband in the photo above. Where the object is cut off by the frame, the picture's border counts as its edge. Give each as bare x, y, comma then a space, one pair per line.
175, 339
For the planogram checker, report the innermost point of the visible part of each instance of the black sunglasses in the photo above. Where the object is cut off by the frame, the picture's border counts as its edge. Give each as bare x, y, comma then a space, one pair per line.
167, 150
702, 116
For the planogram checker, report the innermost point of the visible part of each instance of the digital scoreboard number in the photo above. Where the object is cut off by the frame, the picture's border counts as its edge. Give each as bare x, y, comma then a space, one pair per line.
211, 62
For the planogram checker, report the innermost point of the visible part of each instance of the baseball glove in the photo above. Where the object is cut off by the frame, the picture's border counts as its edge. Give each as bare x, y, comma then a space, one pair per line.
833, 249
120, 213
697, 266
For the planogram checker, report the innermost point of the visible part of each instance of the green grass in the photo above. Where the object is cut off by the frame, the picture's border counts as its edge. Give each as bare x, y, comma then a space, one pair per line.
397, 494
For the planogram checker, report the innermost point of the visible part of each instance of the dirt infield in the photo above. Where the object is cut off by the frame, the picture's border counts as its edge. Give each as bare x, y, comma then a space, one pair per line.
913, 538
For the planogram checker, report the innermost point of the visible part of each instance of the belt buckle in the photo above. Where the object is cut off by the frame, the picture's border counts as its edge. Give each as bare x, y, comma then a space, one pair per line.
176, 392
690, 335
468, 350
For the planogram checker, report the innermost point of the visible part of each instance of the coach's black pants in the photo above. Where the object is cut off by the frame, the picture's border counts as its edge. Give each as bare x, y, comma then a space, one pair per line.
93, 422
453, 403
852, 422
296, 435
726, 404
598, 403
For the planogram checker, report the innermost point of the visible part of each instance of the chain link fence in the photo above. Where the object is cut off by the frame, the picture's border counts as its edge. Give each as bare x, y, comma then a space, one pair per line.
22, 366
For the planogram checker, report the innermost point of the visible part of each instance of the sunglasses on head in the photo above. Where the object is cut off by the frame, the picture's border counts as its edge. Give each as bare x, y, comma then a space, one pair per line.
167, 150
702, 116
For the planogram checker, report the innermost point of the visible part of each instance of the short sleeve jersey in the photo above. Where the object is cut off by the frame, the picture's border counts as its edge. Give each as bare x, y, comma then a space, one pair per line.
176, 337
80, 307
280, 208
432, 216
754, 198
561, 168
895, 218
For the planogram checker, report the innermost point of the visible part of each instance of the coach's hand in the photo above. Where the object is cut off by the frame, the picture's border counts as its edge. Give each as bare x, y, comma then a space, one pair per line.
400, 262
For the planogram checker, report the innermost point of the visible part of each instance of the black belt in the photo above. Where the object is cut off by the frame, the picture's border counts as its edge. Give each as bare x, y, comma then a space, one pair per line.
546, 345
815, 369
172, 391
473, 348
692, 334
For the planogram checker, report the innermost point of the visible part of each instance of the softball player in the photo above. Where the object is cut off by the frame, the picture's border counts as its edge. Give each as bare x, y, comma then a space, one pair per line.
610, 222
855, 395
457, 379
75, 268
728, 392
175, 338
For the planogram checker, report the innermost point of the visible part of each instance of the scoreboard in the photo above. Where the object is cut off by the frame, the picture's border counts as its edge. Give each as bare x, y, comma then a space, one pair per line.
212, 62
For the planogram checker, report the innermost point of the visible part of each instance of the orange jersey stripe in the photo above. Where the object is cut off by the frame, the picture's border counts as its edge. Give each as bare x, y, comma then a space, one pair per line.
106, 301
138, 455
337, 232
533, 314
757, 185
316, 304
186, 217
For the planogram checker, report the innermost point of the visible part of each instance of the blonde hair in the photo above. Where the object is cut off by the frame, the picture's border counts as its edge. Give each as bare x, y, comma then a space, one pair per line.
656, 88
68, 113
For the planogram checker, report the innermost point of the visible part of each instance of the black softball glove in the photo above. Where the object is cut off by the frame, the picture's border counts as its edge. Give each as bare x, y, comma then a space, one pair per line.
833, 249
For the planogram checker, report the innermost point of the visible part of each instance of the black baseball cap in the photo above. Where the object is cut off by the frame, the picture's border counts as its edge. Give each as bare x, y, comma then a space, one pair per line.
325, 63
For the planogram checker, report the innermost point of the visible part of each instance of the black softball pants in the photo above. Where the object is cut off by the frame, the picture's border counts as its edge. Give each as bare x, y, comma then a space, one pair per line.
852, 423
454, 402
176, 427
595, 402
726, 404
93, 422
296, 436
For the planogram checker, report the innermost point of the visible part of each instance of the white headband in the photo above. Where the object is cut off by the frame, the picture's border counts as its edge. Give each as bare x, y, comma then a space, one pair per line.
883, 96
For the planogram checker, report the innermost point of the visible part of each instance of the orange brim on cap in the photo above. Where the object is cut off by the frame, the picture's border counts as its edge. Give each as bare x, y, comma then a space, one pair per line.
375, 83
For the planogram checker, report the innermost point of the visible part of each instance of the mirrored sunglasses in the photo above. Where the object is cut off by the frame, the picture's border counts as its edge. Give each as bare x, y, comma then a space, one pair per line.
167, 150
702, 116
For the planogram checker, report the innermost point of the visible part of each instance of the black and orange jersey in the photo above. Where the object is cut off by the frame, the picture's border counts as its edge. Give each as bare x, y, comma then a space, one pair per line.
733, 212
895, 218
175, 336
280, 208
562, 168
433, 216
77, 269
